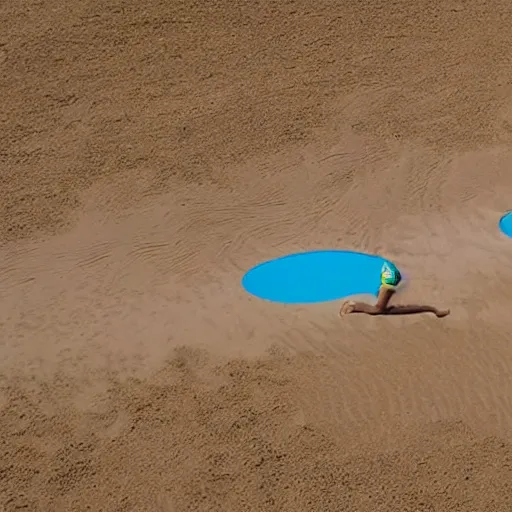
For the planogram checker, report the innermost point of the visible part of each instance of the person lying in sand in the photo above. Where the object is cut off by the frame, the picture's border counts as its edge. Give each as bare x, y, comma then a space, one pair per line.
390, 278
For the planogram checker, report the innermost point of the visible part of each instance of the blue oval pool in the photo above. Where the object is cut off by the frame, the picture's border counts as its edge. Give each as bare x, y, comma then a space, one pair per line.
506, 224
317, 276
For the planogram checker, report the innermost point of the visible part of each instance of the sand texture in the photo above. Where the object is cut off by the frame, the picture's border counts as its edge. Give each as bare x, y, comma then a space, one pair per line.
150, 153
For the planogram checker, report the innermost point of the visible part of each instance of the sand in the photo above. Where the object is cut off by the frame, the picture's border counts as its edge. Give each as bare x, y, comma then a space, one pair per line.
152, 152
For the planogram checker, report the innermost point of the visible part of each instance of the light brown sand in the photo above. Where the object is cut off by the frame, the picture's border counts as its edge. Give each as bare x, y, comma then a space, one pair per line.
151, 152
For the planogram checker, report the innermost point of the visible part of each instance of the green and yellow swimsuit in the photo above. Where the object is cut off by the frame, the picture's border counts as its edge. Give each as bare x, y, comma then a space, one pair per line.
390, 276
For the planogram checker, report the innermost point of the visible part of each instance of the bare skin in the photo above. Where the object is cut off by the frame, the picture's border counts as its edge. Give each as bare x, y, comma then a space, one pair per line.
382, 307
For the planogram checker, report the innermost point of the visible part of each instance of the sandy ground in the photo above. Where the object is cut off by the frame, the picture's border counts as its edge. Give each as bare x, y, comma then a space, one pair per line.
151, 152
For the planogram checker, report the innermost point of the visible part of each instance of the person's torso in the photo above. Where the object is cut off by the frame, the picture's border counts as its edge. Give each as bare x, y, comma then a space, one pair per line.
390, 274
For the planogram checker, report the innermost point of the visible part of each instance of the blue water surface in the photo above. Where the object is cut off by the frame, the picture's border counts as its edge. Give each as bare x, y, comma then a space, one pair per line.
317, 276
506, 224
